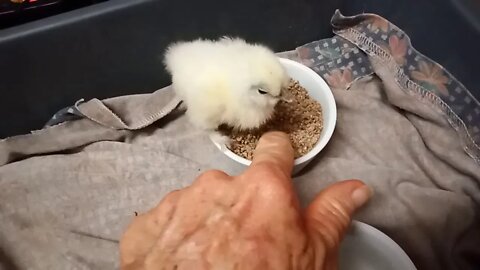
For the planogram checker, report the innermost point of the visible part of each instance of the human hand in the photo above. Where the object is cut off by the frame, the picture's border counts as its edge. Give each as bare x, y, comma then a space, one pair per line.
250, 221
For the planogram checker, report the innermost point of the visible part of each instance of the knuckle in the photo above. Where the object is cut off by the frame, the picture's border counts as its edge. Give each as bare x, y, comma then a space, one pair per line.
330, 219
330, 236
269, 171
211, 176
270, 178
339, 211
170, 198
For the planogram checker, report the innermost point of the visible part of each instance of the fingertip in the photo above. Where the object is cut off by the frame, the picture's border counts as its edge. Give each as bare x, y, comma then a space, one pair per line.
274, 135
361, 195
343, 198
354, 192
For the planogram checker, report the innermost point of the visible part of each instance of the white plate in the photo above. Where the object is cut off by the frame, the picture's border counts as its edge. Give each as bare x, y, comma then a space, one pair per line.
366, 248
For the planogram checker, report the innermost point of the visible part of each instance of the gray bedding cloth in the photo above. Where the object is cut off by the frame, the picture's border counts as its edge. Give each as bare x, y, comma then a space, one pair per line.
405, 126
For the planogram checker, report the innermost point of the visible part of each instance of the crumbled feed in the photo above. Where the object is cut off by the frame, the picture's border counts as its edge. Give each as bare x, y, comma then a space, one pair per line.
301, 119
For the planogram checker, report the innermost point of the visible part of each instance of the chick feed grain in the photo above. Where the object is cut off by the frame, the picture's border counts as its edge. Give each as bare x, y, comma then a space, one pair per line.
301, 119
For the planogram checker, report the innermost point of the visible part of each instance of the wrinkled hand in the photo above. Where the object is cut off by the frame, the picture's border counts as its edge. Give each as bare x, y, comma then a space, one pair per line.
250, 221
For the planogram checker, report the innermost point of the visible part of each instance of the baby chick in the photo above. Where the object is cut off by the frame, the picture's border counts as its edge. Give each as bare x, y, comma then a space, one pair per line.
226, 81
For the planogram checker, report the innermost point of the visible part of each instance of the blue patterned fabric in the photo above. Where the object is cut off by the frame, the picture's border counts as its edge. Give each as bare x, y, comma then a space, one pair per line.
346, 57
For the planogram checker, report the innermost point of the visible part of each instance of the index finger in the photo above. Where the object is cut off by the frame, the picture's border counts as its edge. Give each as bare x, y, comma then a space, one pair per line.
274, 149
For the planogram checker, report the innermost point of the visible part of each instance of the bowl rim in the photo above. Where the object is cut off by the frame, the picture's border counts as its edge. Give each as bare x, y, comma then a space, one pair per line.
322, 141
359, 227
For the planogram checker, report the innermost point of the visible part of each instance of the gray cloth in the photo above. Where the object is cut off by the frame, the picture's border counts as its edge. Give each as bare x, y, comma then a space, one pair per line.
67, 192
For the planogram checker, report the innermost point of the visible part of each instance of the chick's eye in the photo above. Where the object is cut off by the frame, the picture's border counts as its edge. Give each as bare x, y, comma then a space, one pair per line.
261, 91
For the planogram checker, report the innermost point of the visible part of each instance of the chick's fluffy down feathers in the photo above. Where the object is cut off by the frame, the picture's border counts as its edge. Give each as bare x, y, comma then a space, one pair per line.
226, 82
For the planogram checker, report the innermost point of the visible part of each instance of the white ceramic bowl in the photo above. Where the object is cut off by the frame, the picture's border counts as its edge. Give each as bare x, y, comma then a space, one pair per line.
317, 89
366, 248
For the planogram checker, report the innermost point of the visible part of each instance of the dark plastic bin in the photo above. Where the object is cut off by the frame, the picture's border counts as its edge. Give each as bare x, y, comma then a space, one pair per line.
115, 48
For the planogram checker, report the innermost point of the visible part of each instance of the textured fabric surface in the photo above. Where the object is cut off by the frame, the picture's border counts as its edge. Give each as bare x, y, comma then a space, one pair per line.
67, 192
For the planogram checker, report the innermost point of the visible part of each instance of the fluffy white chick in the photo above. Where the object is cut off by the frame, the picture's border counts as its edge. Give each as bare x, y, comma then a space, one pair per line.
227, 81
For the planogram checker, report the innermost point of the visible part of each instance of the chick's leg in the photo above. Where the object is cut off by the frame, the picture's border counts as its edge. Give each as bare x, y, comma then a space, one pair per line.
206, 119
220, 139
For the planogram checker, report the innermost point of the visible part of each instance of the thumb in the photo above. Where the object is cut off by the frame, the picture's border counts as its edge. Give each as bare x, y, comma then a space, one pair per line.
329, 215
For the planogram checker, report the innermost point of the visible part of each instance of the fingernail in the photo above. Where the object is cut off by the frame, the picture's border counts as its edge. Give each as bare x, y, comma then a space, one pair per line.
361, 195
